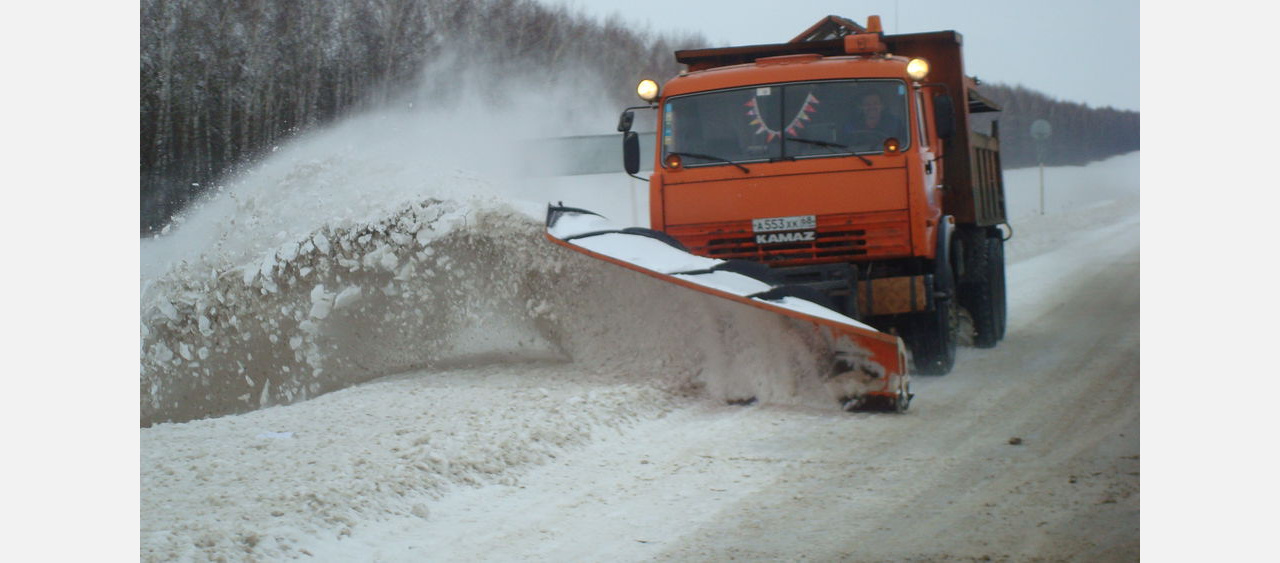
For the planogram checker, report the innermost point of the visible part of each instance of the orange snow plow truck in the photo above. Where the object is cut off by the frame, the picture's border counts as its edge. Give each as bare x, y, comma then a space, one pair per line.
842, 162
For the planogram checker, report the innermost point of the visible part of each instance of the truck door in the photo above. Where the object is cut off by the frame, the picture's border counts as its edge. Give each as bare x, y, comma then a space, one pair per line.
928, 144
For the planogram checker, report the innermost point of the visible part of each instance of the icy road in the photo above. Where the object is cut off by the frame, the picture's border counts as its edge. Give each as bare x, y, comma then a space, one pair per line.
604, 434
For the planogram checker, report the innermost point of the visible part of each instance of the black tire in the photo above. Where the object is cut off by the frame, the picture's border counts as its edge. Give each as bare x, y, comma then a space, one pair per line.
932, 338
1002, 301
984, 292
657, 235
932, 335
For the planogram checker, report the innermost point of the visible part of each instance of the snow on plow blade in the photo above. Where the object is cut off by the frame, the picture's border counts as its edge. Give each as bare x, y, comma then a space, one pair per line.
869, 367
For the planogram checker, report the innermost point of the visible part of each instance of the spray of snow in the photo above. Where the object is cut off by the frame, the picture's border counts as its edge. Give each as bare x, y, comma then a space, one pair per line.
409, 239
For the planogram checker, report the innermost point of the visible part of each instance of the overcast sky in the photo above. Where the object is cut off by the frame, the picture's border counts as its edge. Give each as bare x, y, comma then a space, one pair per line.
1081, 51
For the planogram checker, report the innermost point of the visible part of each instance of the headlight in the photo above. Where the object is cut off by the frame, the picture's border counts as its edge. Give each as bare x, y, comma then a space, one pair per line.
917, 69
648, 90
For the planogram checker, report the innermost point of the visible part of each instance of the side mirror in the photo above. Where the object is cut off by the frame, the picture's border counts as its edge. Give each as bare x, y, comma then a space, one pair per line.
944, 115
624, 122
631, 152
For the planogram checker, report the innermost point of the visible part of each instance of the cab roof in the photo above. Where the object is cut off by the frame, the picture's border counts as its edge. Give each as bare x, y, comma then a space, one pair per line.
788, 68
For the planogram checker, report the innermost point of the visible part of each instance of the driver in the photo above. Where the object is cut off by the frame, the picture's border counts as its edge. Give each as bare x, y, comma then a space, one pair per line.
874, 124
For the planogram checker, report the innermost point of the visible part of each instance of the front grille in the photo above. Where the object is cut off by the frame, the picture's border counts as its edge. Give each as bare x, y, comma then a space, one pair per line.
839, 238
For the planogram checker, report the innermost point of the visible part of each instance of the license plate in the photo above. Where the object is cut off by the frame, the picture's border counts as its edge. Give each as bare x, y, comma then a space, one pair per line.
774, 224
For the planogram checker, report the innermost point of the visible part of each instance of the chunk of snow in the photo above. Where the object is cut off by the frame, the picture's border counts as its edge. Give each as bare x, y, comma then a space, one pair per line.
318, 294
268, 265
321, 302
322, 243
389, 261
347, 297
287, 251
400, 238
161, 352
167, 309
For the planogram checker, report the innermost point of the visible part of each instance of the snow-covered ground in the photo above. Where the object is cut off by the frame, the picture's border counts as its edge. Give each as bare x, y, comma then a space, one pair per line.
349, 356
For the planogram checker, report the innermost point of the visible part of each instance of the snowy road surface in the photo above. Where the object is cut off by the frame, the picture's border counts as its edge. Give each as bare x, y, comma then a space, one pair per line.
608, 441
942, 482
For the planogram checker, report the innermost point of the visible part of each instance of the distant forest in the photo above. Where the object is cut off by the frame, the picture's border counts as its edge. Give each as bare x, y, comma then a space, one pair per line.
1080, 134
223, 81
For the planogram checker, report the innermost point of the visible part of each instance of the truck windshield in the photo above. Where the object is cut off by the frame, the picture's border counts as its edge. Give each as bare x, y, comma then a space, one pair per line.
784, 121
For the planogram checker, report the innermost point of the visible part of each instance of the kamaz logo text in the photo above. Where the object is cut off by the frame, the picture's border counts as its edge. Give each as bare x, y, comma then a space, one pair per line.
771, 238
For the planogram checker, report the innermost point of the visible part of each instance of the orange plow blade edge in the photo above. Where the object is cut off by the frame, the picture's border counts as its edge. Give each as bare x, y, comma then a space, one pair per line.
869, 367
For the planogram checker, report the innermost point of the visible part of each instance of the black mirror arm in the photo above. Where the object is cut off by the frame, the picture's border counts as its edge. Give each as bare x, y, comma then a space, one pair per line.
625, 120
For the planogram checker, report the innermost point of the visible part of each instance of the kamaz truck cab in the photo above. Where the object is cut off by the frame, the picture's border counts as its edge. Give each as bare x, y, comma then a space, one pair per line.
843, 161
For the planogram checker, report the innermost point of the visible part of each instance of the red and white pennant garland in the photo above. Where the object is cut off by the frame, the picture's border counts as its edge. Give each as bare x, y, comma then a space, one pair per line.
797, 123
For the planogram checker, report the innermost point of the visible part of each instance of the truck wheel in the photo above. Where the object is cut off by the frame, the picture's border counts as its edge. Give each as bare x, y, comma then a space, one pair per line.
932, 335
933, 338
1002, 303
985, 291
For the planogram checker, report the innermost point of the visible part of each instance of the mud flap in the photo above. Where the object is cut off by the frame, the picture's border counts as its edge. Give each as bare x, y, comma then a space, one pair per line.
868, 367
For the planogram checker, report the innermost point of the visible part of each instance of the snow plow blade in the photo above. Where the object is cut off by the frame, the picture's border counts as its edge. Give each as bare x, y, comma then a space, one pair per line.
868, 367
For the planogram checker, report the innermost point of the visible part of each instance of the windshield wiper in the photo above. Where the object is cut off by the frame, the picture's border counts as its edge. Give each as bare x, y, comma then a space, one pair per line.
829, 145
709, 157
